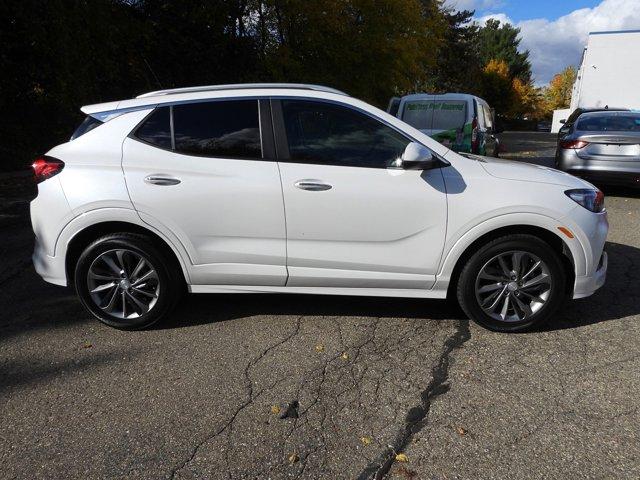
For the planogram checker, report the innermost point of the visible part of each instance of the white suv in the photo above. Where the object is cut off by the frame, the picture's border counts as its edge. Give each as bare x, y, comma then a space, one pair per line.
302, 189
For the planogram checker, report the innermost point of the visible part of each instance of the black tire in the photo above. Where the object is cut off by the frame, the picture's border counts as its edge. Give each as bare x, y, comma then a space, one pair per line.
169, 280
529, 244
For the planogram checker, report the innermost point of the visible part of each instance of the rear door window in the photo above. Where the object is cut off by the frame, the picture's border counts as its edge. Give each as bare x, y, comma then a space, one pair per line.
225, 129
156, 128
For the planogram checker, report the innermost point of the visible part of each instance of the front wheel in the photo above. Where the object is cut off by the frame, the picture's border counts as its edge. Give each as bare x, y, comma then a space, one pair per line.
126, 282
512, 284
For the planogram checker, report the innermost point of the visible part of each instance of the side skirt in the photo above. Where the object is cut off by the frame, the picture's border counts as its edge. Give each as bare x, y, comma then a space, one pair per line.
366, 292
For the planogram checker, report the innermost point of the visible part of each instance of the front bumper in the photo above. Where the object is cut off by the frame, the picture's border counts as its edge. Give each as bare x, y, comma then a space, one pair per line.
587, 285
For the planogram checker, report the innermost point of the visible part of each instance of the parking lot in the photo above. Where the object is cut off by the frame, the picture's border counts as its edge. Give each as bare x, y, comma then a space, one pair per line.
357, 380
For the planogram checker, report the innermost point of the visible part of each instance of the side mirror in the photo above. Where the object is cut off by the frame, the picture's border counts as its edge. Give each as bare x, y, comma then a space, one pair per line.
564, 120
416, 157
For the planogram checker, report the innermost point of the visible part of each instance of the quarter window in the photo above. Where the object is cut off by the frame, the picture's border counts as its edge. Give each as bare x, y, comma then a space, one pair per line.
156, 128
227, 129
325, 133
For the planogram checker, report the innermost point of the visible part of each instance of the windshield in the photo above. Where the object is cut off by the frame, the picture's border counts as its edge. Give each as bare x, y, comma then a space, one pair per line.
604, 122
435, 114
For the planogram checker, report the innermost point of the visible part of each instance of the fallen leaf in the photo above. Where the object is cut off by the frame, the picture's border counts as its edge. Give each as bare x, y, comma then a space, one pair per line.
293, 458
87, 345
275, 409
319, 348
401, 457
461, 431
366, 440
344, 356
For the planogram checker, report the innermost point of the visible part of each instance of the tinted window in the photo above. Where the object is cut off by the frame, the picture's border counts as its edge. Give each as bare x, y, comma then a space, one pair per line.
331, 134
435, 114
229, 129
88, 124
156, 128
599, 122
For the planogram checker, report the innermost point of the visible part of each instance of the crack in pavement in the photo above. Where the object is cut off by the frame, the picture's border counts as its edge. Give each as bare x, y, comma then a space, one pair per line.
417, 416
247, 402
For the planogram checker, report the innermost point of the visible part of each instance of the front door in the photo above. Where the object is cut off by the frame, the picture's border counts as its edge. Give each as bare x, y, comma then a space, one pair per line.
351, 220
206, 173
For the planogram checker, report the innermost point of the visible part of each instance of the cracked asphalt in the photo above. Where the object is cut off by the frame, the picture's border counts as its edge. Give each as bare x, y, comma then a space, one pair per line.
201, 397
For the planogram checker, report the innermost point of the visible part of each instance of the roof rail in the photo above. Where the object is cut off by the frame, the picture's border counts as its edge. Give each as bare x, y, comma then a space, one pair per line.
241, 86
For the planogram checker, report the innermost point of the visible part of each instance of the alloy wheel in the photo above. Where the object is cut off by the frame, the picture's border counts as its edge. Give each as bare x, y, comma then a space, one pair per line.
123, 283
513, 286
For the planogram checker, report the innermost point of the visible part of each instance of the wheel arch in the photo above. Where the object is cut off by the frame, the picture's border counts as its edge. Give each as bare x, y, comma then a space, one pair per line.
83, 237
551, 238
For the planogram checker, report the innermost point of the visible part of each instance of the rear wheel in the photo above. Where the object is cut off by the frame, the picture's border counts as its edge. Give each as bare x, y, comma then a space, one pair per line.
126, 282
512, 284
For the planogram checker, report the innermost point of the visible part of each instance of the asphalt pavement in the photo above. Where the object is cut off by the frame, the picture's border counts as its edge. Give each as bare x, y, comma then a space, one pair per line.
368, 387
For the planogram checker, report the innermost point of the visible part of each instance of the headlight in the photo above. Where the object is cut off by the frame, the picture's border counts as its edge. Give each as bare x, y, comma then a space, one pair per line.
592, 200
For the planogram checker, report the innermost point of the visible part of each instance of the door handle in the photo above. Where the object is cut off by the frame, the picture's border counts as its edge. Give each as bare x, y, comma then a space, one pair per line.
161, 180
312, 185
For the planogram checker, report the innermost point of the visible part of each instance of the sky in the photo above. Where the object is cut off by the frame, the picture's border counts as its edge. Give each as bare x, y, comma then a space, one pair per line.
555, 31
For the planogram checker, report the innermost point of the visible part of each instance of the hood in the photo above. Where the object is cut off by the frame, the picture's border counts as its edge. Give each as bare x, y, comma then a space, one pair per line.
528, 172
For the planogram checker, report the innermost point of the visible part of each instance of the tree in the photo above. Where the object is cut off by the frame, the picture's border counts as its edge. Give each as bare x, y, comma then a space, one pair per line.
558, 93
496, 85
368, 48
458, 66
527, 100
500, 42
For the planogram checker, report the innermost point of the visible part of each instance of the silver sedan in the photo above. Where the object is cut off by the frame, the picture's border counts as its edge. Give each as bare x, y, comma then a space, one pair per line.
603, 147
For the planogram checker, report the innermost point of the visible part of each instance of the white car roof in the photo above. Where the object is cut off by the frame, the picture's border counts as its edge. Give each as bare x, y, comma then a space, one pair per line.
153, 99
209, 91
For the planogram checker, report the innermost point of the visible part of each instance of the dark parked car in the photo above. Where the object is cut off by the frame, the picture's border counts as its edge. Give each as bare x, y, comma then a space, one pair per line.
603, 147
543, 126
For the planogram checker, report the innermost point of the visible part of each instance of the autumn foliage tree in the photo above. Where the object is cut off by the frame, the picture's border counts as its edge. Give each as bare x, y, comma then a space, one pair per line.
558, 94
60, 54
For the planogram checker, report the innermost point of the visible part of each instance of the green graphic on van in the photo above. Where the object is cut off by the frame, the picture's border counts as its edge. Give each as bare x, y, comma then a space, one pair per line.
434, 106
457, 139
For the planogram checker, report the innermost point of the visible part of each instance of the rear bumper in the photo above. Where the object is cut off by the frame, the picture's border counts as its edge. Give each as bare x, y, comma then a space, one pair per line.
588, 284
609, 170
626, 178
51, 269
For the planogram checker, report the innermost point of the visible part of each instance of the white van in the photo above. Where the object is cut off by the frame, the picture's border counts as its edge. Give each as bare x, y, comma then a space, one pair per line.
461, 122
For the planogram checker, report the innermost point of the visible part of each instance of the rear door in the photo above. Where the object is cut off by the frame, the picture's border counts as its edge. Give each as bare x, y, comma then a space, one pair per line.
205, 173
351, 220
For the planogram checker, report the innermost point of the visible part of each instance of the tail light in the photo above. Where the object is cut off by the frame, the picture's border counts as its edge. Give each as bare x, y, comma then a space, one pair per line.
475, 141
575, 144
46, 167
